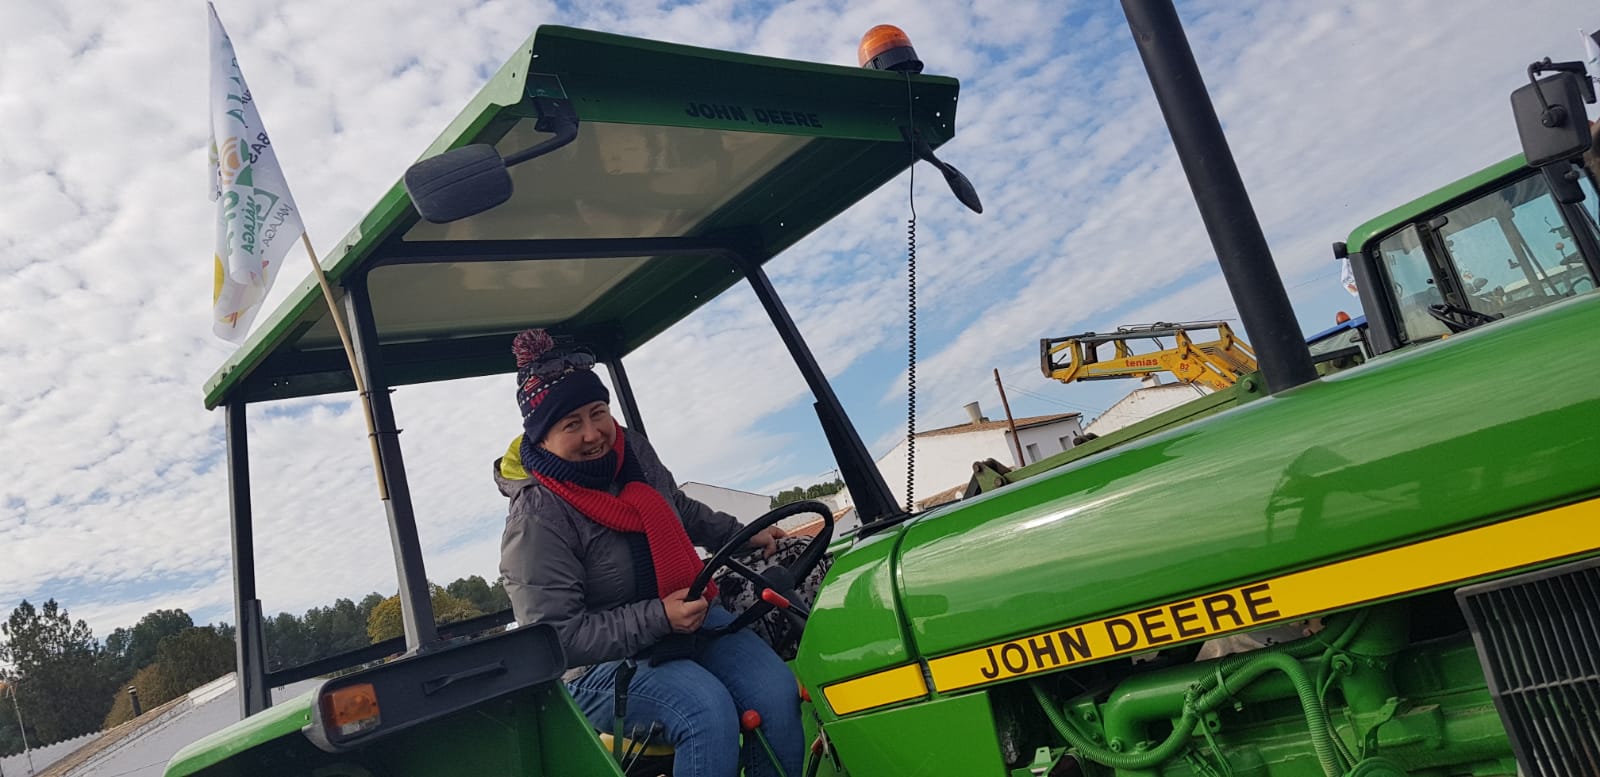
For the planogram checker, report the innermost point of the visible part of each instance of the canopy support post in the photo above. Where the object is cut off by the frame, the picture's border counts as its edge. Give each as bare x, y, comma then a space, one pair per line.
249, 649
416, 605
867, 487
630, 406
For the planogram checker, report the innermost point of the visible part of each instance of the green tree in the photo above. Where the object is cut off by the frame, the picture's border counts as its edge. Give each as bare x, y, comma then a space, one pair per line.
57, 672
127, 650
812, 491
483, 596
148, 681
193, 657
498, 598
786, 496
364, 609
117, 644
144, 639
337, 629
10, 734
386, 621
287, 640
184, 661
320, 633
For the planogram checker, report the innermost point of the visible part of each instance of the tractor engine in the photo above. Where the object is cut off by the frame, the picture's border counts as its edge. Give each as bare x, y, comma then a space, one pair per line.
1382, 691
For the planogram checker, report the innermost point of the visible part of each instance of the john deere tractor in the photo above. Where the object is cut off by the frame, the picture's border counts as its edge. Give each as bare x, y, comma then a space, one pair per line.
1393, 570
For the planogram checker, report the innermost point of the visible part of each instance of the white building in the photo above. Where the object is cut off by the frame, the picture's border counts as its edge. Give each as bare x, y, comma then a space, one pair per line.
747, 507
141, 747
838, 500
1141, 403
740, 504
845, 517
944, 457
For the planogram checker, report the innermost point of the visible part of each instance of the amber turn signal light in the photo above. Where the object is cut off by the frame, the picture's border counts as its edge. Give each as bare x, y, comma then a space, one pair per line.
352, 709
887, 47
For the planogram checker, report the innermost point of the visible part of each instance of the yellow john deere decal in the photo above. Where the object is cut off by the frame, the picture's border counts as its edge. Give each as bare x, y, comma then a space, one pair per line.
1532, 539
877, 689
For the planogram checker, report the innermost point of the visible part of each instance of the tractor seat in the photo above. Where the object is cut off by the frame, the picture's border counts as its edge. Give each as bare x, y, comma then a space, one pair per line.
652, 750
653, 760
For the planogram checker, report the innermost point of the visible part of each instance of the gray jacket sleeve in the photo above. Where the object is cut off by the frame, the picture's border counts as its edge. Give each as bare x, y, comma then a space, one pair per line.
706, 527
545, 578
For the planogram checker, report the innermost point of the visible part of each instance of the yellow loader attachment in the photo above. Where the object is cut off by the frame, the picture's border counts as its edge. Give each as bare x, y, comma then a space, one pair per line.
1215, 363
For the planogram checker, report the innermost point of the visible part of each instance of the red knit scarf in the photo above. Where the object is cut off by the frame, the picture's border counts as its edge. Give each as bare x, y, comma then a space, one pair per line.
638, 508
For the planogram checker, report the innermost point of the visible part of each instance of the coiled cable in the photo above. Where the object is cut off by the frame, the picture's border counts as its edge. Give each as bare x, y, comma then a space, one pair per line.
911, 319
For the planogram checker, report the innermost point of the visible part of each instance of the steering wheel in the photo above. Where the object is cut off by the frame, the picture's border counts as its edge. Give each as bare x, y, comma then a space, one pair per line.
1457, 318
775, 585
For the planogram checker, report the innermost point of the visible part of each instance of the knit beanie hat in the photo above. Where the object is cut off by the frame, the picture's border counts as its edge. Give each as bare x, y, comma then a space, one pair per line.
549, 386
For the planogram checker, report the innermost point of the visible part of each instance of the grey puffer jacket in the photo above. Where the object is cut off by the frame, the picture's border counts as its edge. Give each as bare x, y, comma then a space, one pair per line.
566, 570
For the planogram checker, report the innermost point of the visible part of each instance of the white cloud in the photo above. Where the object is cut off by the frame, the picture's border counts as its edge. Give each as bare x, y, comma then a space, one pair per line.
115, 498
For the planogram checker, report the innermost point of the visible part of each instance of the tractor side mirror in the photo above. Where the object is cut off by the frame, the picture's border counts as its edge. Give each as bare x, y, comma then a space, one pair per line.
469, 180
1550, 116
459, 183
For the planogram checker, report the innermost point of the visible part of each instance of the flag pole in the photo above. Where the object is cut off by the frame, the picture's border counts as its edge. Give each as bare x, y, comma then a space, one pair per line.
350, 354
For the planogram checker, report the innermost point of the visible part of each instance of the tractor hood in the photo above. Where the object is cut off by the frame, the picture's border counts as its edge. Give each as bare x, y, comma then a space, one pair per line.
1377, 458
1372, 459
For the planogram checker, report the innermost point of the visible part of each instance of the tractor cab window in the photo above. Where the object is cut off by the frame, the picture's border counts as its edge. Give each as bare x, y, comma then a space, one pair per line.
1591, 202
1405, 266
1350, 341
1513, 251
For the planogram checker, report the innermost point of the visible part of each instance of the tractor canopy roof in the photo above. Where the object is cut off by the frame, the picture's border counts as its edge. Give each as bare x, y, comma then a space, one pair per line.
686, 159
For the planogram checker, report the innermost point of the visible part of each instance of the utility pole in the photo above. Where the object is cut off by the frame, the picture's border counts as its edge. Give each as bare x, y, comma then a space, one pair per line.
1011, 422
21, 729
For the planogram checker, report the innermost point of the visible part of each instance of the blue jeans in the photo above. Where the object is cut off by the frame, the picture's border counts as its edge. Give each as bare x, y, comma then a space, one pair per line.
698, 702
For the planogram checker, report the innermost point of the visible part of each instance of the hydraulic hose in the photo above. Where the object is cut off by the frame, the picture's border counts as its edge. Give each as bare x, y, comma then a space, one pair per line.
1324, 669
1316, 718
1202, 700
1094, 752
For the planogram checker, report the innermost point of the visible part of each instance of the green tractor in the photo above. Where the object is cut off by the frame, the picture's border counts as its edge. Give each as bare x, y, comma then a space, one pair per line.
1504, 241
1394, 570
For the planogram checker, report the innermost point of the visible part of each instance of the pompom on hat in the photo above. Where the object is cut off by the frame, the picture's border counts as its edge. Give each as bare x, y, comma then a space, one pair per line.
530, 345
545, 400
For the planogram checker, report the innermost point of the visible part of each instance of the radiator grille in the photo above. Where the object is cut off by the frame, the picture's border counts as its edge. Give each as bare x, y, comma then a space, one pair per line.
1538, 637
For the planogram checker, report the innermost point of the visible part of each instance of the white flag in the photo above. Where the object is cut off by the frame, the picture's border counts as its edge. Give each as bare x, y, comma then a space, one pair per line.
1591, 53
257, 220
1592, 56
1347, 276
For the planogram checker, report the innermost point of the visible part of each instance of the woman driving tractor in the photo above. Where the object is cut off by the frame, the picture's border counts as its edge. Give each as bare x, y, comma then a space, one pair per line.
599, 543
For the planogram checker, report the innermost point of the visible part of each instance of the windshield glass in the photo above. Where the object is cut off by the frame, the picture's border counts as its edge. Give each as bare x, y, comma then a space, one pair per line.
1340, 340
1591, 203
1513, 250
1406, 267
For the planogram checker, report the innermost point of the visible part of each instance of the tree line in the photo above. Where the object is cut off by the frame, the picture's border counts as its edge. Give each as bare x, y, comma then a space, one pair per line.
63, 682
812, 491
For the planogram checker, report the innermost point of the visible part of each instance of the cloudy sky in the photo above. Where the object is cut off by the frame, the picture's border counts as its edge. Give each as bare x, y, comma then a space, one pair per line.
113, 498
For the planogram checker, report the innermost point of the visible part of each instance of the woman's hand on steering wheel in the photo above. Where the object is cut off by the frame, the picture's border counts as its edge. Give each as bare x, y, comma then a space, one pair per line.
683, 613
767, 540
775, 585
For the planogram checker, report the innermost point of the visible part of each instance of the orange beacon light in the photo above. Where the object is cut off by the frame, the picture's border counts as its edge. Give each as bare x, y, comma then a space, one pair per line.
886, 47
